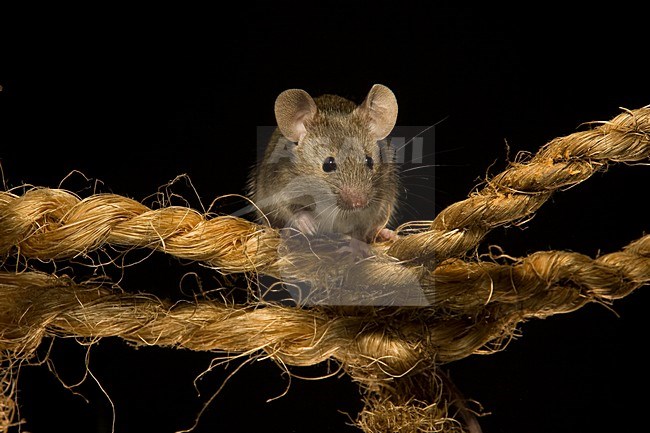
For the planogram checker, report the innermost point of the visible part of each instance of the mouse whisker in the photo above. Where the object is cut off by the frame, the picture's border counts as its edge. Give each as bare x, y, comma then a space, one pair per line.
422, 132
325, 210
420, 167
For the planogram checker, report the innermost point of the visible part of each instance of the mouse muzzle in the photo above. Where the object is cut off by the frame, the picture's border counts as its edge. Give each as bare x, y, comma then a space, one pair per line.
352, 199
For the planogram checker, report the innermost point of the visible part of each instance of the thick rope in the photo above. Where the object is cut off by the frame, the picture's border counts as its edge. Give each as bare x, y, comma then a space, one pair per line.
490, 299
470, 306
524, 187
54, 224
377, 347
458, 285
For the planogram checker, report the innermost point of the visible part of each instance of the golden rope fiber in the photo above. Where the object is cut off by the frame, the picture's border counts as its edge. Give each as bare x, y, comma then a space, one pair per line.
521, 189
33, 305
392, 348
54, 224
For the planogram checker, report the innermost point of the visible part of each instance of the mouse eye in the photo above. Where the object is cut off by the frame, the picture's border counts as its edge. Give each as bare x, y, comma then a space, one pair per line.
369, 162
329, 164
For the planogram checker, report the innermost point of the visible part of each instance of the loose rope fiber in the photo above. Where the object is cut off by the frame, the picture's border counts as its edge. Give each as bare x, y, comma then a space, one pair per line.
35, 304
439, 304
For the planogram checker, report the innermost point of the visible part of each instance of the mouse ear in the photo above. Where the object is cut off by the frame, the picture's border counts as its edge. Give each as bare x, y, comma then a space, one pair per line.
381, 108
293, 108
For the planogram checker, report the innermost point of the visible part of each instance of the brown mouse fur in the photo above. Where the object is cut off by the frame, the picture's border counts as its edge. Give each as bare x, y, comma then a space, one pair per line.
298, 185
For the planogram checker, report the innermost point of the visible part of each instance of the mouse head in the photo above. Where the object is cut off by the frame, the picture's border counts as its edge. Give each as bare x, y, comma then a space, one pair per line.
337, 141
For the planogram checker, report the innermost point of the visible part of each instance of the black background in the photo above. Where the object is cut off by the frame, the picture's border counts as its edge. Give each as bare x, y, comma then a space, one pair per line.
132, 99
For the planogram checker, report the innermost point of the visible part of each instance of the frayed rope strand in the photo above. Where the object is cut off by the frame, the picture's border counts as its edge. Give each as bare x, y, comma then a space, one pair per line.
393, 350
524, 187
495, 296
55, 224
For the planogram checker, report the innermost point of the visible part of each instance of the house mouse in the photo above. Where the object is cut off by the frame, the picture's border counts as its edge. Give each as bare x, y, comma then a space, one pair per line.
327, 168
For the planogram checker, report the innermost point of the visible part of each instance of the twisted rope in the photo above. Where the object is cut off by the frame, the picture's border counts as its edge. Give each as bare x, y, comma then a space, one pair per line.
482, 301
54, 224
471, 306
524, 187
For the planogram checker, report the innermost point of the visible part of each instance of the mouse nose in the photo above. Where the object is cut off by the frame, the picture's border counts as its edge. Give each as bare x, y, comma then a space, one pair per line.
351, 198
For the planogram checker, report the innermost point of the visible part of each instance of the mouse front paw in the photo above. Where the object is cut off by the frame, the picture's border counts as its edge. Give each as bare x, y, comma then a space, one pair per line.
385, 234
358, 249
304, 222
